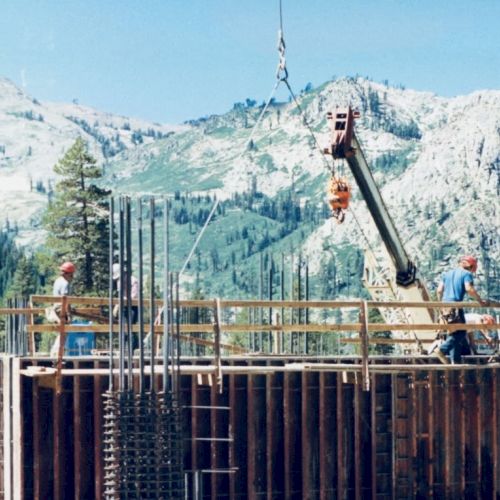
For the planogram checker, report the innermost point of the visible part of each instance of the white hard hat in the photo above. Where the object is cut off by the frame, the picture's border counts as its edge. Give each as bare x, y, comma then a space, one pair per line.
116, 271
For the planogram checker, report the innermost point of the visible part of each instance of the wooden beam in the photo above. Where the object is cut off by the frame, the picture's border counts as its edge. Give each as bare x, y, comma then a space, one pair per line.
22, 310
363, 336
261, 370
48, 299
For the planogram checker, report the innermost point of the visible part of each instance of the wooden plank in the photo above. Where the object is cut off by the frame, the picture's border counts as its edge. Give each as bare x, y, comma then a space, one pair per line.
341, 460
238, 400
62, 342
306, 437
471, 434
358, 456
38, 473
232, 425
373, 435
78, 447
57, 423
194, 424
495, 433
7, 426
292, 367
252, 440
17, 431
50, 299
430, 429
98, 415
363, 335
327, 436
270, 424
22, 310
215, 432
412, 409
245, 328
287, 433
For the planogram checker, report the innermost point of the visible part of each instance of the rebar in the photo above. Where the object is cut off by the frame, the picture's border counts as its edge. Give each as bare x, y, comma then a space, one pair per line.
140, 312
142, 446
16, 337
143, 453
152, 287
110, 295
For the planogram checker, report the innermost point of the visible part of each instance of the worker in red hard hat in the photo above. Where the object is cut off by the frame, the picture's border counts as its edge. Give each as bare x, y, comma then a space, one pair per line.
62, 285
469, 262
454, 285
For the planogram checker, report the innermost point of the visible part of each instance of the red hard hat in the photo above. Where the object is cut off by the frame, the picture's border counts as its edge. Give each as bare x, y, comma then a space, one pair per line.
471, 262
68, 267
488, 319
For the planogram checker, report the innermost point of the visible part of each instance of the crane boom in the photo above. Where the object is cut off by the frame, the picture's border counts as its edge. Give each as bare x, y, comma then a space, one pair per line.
403, 282
345, 145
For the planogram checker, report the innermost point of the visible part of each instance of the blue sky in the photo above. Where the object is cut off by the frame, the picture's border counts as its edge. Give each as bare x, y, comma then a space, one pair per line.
173, 60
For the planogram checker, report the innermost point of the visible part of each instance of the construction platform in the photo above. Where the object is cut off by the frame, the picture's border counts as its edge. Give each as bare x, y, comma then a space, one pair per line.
248, 425
277, 427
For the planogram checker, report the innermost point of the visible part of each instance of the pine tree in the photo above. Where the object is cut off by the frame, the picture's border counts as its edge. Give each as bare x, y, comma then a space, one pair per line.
9, 257
24, 282
77, 219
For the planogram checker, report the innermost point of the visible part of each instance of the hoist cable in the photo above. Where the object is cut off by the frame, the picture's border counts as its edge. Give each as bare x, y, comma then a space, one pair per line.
306, 123
216, 203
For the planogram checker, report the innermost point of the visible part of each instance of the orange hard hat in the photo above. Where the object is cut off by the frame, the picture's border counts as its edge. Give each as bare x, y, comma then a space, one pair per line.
68, 267
470, 261
488, 319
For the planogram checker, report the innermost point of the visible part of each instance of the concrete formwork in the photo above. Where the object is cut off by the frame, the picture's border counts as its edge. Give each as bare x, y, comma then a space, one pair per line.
424, 431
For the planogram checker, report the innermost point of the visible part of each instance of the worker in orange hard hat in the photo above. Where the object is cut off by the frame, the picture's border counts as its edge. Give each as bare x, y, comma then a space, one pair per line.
62, 285
454, 285
469, 262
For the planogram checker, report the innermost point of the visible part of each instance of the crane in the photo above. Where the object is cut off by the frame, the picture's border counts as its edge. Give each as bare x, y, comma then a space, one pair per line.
400, 281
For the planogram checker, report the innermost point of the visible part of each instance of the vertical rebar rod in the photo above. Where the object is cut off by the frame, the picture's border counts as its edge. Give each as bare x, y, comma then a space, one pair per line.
121, 340
292, 297
166, 318
178, 335
282, 296
140, 311
261, 297
152, 287
299, 297
306, 285
128, 288
172, 316
110, 297
270, 309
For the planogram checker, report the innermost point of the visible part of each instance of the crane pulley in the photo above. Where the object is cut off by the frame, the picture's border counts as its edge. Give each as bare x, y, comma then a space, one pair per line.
339, 190
338, 193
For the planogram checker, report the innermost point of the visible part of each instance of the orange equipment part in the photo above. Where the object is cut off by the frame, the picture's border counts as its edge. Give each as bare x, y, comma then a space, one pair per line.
339, 193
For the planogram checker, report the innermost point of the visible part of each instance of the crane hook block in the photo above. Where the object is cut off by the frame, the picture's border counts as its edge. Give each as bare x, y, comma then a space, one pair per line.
338, 193
342, 127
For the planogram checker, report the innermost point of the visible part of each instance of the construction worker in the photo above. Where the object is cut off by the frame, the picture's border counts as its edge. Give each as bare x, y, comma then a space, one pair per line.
62, 286
489, 336
452, 288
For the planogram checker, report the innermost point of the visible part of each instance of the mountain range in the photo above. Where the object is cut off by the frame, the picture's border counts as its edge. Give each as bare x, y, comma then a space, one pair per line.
435, 159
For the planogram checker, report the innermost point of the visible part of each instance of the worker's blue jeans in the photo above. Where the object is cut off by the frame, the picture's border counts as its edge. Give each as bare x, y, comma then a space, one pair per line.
453, 345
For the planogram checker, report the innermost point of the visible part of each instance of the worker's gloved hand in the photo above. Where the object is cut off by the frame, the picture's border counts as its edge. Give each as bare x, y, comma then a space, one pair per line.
116, 310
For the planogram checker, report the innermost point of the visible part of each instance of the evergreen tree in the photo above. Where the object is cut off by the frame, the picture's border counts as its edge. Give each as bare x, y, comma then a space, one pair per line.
24, 282
77, 219
9, 257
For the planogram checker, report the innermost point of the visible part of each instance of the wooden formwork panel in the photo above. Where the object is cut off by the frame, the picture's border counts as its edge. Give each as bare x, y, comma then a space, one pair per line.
286, 434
